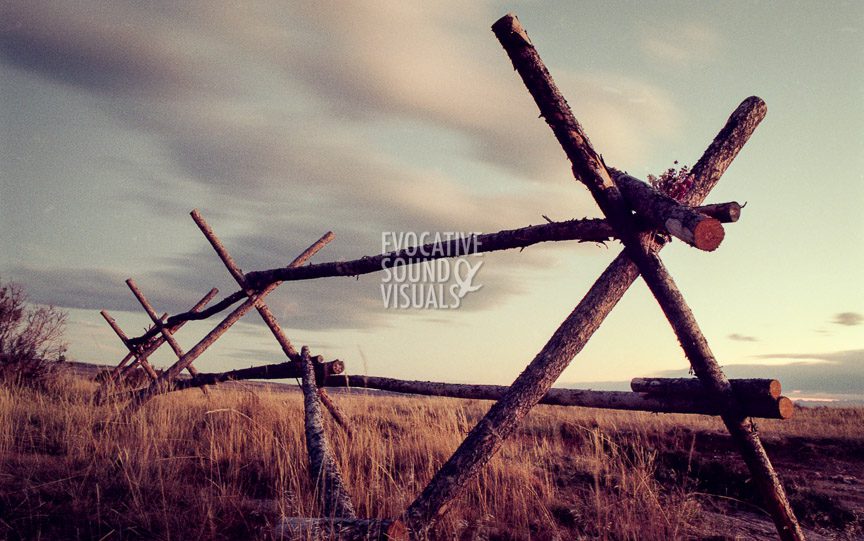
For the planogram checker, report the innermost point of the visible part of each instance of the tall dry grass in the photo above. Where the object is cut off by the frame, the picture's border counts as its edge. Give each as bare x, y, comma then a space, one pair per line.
228, 466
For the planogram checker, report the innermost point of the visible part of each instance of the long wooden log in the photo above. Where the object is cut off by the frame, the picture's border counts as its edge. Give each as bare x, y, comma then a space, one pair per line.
569, 339
323, 468
588, 167
750, 387
342, 529
585, 230
163, 384
758, 405
286, 370
681, 221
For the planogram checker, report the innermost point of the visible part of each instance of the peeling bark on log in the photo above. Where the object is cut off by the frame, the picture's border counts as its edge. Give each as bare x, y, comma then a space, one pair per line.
588, 166
751, 387
163, 384
286, 370
486, 438
324, 529
683, 222
326, 477
760, 405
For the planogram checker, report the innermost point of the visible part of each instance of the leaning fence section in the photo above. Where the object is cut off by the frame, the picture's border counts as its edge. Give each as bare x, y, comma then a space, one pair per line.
637, 214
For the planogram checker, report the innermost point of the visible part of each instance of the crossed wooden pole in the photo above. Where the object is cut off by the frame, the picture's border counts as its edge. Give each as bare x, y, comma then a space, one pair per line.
639, 257
619, 196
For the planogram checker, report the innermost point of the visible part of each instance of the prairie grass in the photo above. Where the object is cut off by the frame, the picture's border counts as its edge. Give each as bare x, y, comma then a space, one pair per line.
229, 465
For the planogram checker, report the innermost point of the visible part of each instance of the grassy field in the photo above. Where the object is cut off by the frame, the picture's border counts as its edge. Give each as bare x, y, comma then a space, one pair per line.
228, 466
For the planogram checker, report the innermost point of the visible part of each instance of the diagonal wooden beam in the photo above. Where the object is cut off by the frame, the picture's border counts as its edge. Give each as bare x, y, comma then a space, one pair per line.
163, 384
265, 313
140, 359
163, 330
570, 338
145, 349
589, 168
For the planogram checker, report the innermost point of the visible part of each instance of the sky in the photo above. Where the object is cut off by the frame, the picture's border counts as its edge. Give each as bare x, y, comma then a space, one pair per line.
281, 121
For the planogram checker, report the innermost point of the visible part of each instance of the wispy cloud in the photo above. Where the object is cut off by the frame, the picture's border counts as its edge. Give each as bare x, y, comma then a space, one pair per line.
679, 43
849, 319
742, 337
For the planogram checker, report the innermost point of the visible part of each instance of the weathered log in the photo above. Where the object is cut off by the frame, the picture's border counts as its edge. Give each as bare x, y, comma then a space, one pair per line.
341, 529
589, 168
286, 370
323, 468
681, 221
755, 406
486, 438
584, 230
162, 385
752, 387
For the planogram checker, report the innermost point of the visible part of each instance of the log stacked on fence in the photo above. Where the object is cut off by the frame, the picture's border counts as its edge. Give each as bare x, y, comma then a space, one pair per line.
675, 396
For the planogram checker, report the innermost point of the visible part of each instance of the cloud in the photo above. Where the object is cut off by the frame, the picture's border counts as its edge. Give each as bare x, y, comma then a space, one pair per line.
849, 319
742, 338
679, 43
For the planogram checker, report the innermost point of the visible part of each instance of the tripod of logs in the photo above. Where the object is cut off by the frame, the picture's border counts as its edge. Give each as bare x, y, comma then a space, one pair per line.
642, 218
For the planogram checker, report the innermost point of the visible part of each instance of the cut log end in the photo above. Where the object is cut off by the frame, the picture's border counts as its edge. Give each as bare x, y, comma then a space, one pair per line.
785, 407
708, 234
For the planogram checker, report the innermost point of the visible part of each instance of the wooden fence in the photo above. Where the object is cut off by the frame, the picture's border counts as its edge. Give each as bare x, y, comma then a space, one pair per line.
638, 215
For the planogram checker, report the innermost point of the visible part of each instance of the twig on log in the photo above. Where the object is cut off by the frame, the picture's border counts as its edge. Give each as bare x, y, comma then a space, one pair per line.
142, 360
323, 468
755, 405
752, 387
503, 417
341, 529
162, 385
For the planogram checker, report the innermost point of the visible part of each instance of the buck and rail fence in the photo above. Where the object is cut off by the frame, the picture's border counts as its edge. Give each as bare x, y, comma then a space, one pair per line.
637, 214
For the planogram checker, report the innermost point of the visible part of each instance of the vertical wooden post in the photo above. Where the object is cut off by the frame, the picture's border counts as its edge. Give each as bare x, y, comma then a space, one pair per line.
162, 385
323, 468
265, 313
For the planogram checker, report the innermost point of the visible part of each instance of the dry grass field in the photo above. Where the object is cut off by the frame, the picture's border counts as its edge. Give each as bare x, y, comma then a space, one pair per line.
228, 466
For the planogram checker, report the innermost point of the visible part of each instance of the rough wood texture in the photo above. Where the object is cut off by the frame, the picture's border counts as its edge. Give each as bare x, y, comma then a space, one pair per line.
584, 230
355, 529
760, 405
588, 167
286, 370
753, 387
486, 438
326, 477
683, 222
163, 384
